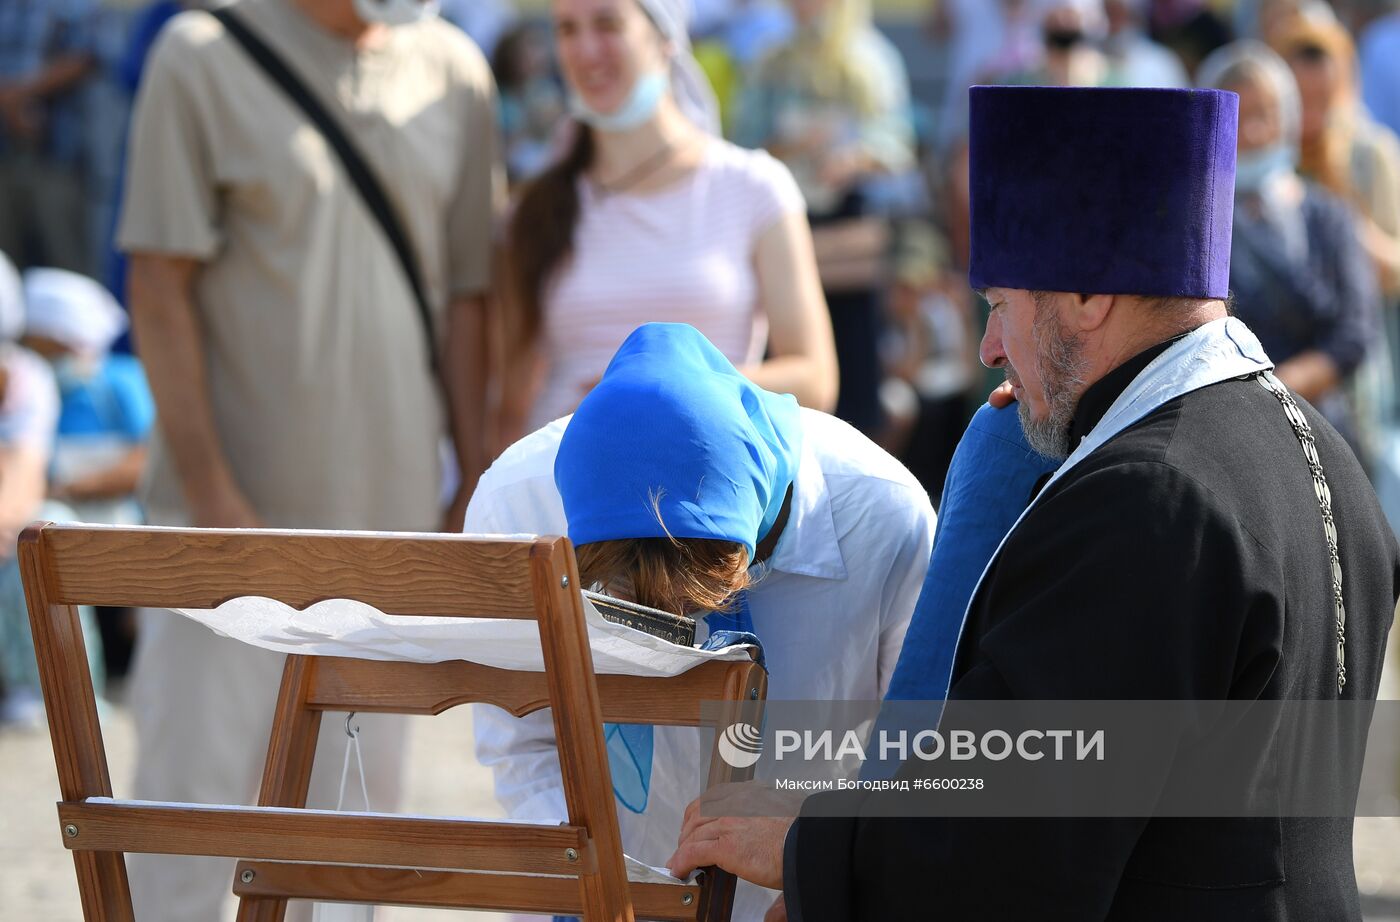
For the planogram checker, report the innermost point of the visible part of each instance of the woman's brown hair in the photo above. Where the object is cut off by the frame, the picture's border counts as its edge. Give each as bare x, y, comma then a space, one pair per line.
540, 235
673, 574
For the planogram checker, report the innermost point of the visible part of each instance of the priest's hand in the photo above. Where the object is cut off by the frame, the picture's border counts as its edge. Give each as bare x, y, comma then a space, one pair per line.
1002, 397
750, 847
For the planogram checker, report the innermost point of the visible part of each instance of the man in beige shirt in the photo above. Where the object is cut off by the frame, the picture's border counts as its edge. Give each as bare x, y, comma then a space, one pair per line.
291, 371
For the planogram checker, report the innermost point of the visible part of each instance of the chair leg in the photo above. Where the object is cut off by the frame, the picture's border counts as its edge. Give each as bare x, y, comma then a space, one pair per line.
568, 663
291, 751
745, 693
102, 886
71, 705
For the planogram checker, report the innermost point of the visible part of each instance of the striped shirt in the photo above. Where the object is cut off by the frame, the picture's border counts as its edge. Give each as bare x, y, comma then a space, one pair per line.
682, 254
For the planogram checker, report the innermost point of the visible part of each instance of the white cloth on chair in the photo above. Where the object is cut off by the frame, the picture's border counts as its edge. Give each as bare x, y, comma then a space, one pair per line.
342, 627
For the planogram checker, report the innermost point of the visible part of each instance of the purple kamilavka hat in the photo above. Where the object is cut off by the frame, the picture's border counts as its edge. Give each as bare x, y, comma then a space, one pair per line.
1103, 191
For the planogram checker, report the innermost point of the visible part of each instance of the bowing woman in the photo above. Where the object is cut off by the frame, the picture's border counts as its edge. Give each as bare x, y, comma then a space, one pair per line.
649, 216
685, 487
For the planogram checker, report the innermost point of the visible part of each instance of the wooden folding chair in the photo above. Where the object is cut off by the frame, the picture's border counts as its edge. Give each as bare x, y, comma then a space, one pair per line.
573, 868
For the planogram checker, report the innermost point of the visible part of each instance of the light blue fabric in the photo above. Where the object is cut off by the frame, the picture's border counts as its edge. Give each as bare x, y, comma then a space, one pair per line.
114, 401
630, 746
638, 108
675, 442
735, 620
989, 484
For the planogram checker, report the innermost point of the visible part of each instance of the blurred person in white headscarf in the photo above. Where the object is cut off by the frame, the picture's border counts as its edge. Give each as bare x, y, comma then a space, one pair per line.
107, 410
648, 215
29, 408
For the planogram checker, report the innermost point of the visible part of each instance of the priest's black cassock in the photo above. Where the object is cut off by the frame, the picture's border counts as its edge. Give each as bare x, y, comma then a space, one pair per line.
1184, 559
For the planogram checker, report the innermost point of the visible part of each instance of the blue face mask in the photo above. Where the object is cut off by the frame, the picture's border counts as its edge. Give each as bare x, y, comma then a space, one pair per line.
1254, 169
639, 106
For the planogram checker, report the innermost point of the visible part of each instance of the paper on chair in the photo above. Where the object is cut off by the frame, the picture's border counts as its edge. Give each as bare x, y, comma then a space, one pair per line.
641, 873
342, 627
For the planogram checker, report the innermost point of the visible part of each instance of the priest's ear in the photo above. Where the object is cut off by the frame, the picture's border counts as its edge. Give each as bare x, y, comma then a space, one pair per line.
1087, 313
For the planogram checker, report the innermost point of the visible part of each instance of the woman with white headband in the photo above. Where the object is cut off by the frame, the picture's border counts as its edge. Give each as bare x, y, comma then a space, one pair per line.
649, 216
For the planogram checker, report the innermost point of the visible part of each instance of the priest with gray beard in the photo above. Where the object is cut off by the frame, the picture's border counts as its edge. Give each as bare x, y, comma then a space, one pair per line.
1208, 536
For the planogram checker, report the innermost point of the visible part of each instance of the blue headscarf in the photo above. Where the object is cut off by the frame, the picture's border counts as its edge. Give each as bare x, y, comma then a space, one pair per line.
673, 428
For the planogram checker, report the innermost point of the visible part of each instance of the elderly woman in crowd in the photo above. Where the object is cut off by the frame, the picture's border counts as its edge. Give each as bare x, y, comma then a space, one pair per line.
648, 216
832, 104
1300, 277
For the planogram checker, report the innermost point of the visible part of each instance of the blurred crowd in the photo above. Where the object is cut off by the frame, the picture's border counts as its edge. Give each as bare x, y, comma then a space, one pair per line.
339, 318
866, 114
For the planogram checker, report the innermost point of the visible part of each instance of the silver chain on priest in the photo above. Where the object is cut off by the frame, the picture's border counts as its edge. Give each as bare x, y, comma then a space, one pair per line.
1324, 500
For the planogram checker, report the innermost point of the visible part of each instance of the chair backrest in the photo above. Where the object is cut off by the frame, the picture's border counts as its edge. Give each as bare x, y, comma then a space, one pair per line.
313, 854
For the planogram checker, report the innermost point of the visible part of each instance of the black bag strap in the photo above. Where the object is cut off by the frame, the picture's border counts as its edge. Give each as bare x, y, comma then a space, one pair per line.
360, 173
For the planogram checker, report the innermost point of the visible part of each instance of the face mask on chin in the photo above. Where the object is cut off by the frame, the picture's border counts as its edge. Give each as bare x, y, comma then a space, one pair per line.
1254, 169
73, 371
395, 12
639, 106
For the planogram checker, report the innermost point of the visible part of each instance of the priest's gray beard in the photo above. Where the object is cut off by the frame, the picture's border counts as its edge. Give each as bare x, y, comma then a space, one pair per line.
1060, 364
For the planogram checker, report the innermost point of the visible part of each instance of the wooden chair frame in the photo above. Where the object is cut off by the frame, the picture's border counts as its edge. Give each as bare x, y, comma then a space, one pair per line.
303, 854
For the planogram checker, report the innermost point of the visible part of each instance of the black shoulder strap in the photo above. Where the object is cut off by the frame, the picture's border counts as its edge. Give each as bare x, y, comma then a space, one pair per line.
368, 185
